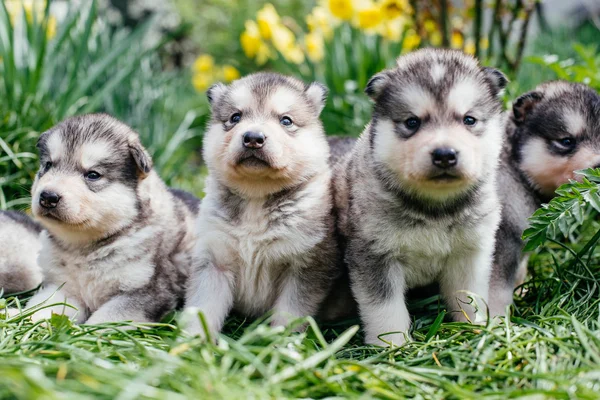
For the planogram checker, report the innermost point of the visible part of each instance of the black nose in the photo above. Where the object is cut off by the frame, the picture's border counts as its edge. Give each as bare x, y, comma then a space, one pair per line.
254, 140
49, 199
444, 157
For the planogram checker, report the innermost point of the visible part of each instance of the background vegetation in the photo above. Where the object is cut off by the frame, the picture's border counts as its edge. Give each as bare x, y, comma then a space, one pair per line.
53, 66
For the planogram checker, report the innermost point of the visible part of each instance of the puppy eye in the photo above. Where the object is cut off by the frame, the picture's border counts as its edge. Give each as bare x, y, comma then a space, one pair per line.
468, 120
412, 123
47, 166
566, 142
286, 121
235, 118
92, 176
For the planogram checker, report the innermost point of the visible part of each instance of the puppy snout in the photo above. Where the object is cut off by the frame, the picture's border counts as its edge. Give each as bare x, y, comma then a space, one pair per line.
49, 199
254, 140
444, 157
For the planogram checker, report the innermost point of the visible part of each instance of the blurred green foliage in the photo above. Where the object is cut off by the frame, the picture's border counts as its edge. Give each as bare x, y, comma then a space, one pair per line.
81, 67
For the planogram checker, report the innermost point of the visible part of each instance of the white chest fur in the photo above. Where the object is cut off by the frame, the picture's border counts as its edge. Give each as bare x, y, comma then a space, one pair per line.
255, 250
93, 278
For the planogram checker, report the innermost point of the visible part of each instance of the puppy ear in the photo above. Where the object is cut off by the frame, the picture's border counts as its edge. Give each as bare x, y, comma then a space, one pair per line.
524, 104
317, 94
215, 92
141, 157
376, 84
497, 79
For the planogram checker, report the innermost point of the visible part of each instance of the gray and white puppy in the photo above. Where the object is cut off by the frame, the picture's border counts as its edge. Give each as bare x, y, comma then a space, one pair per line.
417, 195
119, 242
19, 248
551, 131
266, 229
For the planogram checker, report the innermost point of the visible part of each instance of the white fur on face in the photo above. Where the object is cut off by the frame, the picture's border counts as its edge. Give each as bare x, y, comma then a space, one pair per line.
90, 154
85, 215
574, 121
437, 72
242, 97
294, 153
410, 159
547, 171
463, 96
421, 101
56, 147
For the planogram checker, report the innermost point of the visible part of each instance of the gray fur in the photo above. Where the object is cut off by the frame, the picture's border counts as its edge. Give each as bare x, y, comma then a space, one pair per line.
131, 267
540, 114
395, 237
19, 245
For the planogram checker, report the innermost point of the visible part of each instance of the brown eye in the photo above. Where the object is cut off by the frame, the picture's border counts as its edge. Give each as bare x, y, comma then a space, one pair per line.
235, 118
47, 166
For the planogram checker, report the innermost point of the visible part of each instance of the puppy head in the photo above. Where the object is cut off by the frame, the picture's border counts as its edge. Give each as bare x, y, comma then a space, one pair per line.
90, 167
436, 125
265, 134
556, 132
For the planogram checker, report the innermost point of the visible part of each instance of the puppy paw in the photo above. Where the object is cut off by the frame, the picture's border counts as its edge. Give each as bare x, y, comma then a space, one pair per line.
387, 340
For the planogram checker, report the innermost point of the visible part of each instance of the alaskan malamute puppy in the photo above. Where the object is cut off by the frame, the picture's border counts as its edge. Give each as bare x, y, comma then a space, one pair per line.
19, 248
417, 196
266, 229
551, 132
119, 242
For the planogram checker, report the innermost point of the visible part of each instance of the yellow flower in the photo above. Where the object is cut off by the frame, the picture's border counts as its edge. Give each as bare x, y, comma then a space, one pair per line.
51, 27
319, 21
267, 18
294, 55
430, 25
392, 30
203, 64
435, 38
392, 9
470, 46
315, 48
341, 9
230, 73
411, 40
484, 43
457, 40
263, 54
250, 39
369, 18
202, 81
284, 42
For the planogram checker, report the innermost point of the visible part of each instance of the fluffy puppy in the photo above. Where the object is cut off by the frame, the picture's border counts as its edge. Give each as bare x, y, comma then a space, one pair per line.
266, 229
417, 195
552, 131
119, 243
19, 248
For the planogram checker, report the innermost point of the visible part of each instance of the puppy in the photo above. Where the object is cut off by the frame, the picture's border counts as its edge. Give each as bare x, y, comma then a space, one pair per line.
552, 131
19, 247
416, 196
266, 229
119, 243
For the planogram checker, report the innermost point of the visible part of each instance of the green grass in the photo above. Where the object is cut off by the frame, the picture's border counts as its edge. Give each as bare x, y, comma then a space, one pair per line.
549, 347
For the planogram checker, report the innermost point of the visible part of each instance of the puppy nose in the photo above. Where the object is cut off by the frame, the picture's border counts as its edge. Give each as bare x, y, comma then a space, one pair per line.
49, 199
444, 157
254, 140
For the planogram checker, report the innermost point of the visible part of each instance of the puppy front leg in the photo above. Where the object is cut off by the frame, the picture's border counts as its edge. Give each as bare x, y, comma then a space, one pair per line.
380, 292
52, 294
468, 273
300, 297
210, 291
